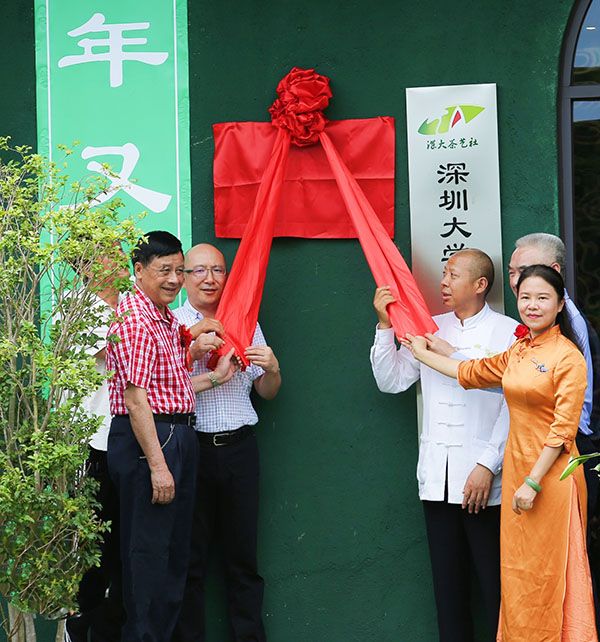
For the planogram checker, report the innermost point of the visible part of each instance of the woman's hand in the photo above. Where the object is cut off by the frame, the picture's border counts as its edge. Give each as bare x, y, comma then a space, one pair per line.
440, 346
523, 498
417, 345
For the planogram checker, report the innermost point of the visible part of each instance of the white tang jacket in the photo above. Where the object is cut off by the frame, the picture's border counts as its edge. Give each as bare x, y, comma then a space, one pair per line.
461, 428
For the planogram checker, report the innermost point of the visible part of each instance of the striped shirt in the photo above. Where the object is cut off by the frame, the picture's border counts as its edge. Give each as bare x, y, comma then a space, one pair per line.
147, 351
227, 407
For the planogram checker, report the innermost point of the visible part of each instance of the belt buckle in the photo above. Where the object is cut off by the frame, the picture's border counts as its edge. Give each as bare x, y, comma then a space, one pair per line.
215, 439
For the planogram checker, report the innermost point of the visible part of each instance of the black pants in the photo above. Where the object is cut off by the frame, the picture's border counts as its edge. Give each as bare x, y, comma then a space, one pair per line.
459, 542
226, 507
99, 597
586, 446
155, 538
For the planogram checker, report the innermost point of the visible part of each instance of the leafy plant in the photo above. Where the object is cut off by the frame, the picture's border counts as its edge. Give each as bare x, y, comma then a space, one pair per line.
54, 243
574, 462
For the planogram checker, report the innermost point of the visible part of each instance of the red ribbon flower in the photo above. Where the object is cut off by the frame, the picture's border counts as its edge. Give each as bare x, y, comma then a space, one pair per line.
303, 94
521, 331
186, 338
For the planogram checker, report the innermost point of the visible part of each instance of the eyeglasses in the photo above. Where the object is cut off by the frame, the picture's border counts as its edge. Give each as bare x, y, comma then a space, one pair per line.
201, 272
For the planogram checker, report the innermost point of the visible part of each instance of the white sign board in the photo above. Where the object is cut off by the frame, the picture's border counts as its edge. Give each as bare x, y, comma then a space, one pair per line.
454, 182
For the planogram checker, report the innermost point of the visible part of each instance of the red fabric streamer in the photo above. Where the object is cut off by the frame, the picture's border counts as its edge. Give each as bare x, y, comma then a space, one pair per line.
409, 313
297, 116
240, 302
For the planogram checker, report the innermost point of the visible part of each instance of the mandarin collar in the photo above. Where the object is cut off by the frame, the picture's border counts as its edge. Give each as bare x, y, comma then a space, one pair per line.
152, 308
545, 337
474, 321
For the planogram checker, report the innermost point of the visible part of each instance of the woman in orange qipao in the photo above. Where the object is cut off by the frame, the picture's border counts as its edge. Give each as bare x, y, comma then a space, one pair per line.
546, 583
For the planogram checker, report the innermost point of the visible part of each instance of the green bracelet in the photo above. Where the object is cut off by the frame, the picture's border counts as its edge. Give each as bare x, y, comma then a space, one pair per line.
215, 383
533, 484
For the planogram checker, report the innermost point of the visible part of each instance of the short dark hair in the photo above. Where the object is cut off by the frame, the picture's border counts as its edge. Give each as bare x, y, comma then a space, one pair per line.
153, 244
481, 265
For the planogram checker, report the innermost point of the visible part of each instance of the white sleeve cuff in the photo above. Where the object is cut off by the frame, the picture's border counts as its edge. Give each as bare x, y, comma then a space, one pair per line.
489, 458
384, 337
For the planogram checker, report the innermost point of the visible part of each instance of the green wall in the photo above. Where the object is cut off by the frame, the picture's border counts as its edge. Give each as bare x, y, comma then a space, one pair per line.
342, 535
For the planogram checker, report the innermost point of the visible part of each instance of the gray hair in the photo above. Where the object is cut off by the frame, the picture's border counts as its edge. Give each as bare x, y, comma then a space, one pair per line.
550, 245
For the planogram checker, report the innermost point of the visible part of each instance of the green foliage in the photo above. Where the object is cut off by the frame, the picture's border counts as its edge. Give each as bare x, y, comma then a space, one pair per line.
54, 244
574, 462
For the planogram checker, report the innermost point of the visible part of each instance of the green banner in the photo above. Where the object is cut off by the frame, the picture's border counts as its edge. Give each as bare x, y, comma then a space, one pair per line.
113, 76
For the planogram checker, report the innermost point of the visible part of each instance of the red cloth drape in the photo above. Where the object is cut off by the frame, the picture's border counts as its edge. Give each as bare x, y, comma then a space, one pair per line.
298, 119
240, 301
310, 205
409, 313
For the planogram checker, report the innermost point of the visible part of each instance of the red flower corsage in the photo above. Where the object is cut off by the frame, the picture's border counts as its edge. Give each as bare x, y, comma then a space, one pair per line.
187, 339
521, 331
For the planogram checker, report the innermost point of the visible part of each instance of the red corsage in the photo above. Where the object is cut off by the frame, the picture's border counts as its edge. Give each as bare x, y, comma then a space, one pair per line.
521, 331
187, 339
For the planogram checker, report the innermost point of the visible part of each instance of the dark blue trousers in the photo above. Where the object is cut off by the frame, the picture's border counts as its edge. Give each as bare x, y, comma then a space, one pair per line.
155, 538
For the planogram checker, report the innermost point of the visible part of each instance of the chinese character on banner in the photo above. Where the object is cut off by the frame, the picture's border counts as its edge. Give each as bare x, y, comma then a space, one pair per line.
449, 250
453, 172
115, 43
455, 226
456, 174
155, 201
454, 200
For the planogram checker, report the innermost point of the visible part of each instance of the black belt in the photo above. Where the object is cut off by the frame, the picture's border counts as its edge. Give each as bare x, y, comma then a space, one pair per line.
225, 438
183, 418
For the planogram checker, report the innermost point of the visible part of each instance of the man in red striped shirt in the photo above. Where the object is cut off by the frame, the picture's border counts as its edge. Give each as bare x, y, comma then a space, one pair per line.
152, 448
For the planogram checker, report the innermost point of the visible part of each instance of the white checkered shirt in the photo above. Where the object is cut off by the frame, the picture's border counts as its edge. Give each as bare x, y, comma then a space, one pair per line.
227, 407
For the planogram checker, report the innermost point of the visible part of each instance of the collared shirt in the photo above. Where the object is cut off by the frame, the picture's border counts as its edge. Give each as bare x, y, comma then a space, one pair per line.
98, 402
227, 407
580, 329
460, 428
148, 352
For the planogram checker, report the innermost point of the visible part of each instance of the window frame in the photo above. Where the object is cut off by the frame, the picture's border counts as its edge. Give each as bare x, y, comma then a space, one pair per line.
567, 94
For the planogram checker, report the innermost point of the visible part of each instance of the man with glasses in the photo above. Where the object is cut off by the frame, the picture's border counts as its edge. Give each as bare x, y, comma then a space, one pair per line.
152, 448
228, 466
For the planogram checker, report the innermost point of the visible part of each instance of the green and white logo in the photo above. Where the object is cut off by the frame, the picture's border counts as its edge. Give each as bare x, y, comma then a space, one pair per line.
451, 117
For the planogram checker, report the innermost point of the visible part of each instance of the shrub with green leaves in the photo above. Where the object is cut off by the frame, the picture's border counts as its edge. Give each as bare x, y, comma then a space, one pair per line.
54, 244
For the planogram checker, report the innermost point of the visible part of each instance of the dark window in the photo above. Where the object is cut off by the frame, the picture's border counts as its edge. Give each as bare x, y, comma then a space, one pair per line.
586, 64
580, 156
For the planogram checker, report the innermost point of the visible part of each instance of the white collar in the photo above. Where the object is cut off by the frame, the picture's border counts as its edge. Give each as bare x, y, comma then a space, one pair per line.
474, 321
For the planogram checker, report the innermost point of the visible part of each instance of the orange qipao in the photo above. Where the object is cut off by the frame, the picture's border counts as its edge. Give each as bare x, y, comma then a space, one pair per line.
546, 584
